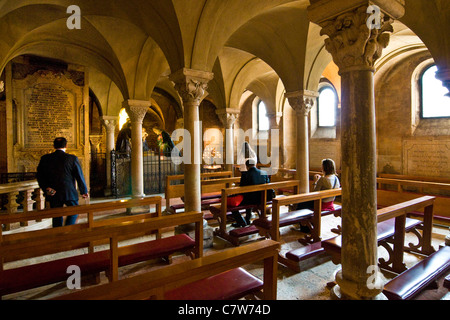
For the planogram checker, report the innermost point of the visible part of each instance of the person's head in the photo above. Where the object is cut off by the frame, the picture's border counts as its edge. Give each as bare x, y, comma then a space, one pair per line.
328, 166
60, 143
250, 163
157, 131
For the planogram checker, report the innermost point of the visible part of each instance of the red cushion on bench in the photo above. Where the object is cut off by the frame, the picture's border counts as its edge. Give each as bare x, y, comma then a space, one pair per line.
386, 229
286, 218
36, 275
411, 281
229, 285
305, 252
245, 231
154, 249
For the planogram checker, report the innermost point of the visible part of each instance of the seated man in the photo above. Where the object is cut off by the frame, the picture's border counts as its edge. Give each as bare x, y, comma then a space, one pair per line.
252, 176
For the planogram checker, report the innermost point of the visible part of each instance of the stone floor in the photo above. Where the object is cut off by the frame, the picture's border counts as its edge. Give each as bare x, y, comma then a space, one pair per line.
308, 284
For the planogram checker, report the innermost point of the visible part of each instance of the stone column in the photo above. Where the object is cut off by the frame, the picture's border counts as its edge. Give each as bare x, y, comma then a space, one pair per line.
302, 103
274, 123
136, 110
355, 47
110, 123
191, 86
228, 118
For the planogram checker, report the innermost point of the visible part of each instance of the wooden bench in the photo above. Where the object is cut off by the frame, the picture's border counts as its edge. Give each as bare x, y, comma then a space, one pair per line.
216, 276
33, 244
399, 192
392, 226
220, 212
211, 184
412, 281
269, 227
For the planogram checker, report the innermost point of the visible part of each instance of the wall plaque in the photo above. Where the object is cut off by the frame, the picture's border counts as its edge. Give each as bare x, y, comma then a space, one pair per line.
426, 157
49, 112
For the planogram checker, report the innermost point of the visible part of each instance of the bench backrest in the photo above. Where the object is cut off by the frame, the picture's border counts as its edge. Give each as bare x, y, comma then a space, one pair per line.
153, 284
62, 240
210, 182
316, 196
89, 209
226, 192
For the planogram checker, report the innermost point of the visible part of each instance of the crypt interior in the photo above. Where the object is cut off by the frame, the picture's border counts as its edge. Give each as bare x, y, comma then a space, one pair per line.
301, 81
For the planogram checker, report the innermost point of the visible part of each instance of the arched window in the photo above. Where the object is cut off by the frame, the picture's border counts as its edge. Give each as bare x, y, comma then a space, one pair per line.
326, 106
434, 102
263, 120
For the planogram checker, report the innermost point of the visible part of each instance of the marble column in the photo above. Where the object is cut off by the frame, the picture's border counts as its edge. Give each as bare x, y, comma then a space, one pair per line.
191, 86
110, 123
302, 103
355, 47
136, 110
228, 117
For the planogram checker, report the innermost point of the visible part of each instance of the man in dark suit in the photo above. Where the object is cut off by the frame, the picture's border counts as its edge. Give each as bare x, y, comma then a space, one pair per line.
57, 173
252, 176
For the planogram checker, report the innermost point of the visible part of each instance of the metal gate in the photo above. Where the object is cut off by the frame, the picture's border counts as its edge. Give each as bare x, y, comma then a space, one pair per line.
157, 166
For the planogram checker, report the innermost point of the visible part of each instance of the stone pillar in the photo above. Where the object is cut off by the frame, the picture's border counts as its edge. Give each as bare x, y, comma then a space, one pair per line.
302, 103
355, 47
136, 110
191, 86
110, 123
228, 118
274, 123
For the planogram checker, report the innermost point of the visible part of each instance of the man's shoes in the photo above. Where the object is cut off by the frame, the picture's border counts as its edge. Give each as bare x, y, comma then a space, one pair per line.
238, 225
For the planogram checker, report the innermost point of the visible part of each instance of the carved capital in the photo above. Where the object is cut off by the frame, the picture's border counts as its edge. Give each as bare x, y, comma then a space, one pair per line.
302, 101
136, 109
110, 123
190, 84
353, 45
228, 116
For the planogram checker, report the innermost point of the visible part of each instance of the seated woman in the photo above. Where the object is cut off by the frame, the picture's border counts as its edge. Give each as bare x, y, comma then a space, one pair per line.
327, 181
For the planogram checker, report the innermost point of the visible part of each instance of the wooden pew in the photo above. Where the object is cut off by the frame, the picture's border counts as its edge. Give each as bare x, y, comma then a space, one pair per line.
213, 277
398, 194
270, 226
221, 211
392, 226
410, 282
211, 184
64, 239
91, 210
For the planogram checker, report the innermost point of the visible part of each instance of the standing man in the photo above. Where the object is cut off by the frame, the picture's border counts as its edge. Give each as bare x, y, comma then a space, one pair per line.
57, 173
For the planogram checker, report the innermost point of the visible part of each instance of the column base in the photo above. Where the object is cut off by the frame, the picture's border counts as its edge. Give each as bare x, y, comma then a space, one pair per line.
336, 294
349, 290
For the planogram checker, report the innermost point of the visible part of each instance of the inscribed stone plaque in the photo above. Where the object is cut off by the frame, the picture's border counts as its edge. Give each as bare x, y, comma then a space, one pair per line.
426, 157
49, 112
